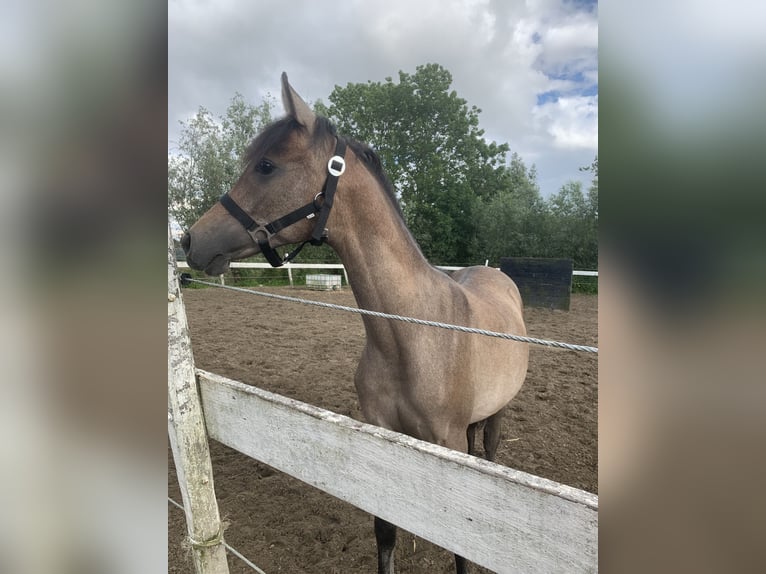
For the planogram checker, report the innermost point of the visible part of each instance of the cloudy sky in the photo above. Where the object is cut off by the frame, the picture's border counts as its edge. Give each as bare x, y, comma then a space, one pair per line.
531, 66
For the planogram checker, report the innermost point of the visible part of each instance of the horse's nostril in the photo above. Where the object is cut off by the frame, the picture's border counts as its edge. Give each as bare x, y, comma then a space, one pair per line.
186, 242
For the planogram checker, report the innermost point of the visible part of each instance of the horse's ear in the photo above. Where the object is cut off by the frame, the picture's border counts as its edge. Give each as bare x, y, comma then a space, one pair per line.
295, 106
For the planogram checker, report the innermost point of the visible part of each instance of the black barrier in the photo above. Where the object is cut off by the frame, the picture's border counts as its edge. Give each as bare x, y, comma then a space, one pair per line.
542, 282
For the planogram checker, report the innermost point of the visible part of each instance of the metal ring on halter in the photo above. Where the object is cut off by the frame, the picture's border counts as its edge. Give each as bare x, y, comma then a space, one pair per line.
336, 159
252, 233
317, 206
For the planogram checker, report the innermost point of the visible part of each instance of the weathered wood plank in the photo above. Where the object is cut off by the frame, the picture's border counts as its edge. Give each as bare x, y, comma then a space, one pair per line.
503, 519
186, 430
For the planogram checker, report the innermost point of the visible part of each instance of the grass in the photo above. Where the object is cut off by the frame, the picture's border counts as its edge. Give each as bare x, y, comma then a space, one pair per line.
583, 284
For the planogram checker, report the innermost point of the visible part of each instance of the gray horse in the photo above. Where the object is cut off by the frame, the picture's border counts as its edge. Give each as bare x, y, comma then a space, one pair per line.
432, 384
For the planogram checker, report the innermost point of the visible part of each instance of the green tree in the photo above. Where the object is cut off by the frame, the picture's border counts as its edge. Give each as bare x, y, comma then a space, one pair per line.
513, 221
593, 189
433, 151
210, 156
573, 230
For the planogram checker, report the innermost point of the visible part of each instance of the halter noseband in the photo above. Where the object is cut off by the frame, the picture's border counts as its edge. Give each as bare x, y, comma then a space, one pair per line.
261, 234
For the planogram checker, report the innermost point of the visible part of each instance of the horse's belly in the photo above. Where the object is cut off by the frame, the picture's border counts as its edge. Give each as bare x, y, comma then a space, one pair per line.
488, 403
495, 387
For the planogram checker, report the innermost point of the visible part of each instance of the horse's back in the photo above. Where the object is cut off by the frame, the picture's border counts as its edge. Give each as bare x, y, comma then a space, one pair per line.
493, 293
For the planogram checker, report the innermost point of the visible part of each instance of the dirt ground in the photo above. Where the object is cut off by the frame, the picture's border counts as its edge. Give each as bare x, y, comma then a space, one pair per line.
310, 354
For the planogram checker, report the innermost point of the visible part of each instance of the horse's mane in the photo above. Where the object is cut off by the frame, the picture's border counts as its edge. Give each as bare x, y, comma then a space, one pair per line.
276, 135
271, 139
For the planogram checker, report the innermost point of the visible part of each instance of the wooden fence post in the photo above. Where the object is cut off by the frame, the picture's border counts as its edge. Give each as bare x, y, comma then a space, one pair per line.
188, 438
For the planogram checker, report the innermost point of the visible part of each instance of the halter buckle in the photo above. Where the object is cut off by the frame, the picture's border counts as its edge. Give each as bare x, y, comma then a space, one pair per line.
340, 162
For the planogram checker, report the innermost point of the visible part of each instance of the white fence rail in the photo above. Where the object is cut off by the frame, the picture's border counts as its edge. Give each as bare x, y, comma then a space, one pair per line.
503, 519
287, 267
290, 266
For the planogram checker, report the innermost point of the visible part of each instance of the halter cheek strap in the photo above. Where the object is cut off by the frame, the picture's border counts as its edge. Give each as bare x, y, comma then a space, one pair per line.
261, 234
335, 168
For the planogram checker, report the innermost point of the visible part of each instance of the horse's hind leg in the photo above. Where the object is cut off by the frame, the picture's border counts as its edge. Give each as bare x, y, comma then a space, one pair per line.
385, 535
471, 436
492, 428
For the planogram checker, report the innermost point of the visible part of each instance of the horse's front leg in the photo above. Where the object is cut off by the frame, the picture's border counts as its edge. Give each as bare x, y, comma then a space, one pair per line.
385, 535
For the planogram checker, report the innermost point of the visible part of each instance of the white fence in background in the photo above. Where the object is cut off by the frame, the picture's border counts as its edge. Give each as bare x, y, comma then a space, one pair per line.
290, 266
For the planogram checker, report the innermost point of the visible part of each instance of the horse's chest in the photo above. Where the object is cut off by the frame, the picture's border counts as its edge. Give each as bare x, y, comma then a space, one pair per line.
401, 393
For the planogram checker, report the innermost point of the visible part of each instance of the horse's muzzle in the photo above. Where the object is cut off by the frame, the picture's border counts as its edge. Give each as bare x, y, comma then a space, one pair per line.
186, 245
214, 266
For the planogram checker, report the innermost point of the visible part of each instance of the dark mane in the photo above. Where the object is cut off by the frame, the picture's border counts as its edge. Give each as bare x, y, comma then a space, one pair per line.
275, 136
369, 157
372, 161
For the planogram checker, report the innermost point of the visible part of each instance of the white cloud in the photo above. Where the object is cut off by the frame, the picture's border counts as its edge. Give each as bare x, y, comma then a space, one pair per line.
571, 121
502, 54
573, 40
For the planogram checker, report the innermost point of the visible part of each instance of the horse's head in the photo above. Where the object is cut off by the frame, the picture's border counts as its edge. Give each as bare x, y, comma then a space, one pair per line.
286, 168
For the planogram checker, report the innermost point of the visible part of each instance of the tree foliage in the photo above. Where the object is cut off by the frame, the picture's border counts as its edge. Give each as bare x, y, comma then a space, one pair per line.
512, 222
575, 225
209, 158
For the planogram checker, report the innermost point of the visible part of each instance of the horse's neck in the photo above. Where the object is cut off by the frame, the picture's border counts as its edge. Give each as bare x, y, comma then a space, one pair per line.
385, 267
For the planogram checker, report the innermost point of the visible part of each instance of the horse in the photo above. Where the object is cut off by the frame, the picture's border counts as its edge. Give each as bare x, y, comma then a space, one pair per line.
312, 185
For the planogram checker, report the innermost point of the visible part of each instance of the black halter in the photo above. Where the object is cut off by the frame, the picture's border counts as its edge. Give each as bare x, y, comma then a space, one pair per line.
261, 234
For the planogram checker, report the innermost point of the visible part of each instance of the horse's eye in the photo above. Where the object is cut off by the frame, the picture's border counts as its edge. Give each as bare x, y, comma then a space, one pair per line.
265, 167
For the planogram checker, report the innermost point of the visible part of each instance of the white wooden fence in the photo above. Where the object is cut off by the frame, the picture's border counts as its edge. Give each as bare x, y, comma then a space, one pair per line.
290, 266
503, 519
